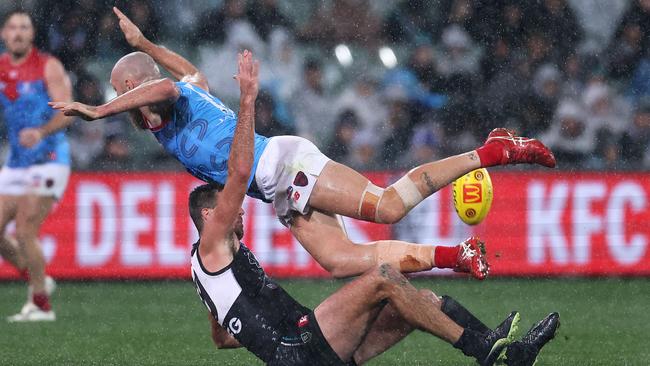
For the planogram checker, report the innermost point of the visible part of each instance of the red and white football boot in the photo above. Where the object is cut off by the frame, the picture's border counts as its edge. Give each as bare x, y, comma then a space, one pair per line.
517, 150
472, 258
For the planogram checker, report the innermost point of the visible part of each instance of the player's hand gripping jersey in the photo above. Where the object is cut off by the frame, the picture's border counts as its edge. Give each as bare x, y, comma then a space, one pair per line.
200, 133
24, 98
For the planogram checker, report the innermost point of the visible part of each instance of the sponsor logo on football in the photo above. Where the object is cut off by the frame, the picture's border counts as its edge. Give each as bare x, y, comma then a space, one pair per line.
234, 325
470, 212
472, 193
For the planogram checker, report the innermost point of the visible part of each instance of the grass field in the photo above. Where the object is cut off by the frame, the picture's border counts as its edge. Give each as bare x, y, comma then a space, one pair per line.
604, 322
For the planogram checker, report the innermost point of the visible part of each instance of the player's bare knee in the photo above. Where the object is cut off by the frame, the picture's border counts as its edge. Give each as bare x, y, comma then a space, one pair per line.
392, 209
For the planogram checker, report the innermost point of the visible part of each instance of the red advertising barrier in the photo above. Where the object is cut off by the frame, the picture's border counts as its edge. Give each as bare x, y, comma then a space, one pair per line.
117, 225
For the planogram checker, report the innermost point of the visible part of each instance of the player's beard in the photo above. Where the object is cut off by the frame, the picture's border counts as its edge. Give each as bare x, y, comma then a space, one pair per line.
136, 120
239, 228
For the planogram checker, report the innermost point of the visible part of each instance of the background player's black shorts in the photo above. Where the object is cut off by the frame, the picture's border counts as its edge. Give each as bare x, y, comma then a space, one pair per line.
305, 345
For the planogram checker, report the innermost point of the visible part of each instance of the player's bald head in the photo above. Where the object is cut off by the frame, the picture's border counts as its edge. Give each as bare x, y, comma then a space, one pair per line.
133, 70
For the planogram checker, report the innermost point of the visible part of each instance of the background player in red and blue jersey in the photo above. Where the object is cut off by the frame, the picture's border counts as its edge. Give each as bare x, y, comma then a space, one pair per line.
37, 169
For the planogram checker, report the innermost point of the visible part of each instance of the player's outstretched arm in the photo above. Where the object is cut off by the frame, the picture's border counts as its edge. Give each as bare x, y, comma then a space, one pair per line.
240, 163
149, 93
59, 87
176, 64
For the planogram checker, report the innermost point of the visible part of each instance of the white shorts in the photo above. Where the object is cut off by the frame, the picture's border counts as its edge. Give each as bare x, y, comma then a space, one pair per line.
287, 173
42, 180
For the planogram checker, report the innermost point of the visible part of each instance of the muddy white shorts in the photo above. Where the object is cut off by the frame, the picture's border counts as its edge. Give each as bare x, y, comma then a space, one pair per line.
43, 180
287, 172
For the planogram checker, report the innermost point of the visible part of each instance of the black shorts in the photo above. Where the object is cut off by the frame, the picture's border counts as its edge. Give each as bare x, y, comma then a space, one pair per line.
305, 345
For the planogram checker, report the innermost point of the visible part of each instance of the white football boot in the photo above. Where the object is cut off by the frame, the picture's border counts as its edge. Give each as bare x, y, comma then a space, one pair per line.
32, 313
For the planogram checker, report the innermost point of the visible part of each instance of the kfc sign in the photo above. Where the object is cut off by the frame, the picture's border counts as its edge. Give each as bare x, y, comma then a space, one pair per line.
137, 226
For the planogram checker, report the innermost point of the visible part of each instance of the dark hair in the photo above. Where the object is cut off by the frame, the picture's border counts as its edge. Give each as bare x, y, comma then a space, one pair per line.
202, 197
17, 11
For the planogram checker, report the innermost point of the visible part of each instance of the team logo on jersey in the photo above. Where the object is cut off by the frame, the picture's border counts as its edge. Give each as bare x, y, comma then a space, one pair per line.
234, 325
303, 321
300, 180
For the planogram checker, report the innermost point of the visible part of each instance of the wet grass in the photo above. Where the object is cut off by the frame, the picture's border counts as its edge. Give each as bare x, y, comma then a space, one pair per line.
604, 322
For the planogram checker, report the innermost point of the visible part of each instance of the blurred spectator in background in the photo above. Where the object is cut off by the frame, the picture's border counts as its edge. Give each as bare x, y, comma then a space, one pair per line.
539, 107
342, 21
364, 152
220, 64
362, 98
86, 139
635, 142
399, 127
339, 145
631, 41
625, 51
69, 29
426, 145
459, 55
116, 155
311, 107
556, 20
281, 73
570, 137
639, 87
497, 59
605, 109
267, 18
266, 123
411, 22
213, 26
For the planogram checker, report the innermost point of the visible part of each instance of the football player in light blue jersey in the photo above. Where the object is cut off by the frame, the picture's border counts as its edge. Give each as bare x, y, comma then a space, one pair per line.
36, 172
308, 189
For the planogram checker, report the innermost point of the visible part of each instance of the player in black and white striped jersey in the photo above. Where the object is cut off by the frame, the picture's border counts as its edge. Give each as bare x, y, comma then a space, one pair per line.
359, 321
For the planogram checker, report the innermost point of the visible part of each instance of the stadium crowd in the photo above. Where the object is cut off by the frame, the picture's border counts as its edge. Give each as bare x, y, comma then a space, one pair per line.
383, 85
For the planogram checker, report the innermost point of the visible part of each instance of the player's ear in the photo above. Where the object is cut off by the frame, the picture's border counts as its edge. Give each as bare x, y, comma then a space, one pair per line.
205, 213
129, 84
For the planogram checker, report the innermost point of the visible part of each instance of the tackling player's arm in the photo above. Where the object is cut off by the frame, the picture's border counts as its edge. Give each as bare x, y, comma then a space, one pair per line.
59, 87
221, 337
146, 94
240, 163
176, 64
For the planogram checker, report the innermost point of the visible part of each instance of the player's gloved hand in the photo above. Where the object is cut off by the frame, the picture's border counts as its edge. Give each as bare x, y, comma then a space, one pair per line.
247, 75
131, 31
76, 109
29, 137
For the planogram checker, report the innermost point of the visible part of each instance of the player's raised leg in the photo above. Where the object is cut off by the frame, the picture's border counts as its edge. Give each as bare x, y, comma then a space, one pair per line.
345, 327
323, 237
342, 190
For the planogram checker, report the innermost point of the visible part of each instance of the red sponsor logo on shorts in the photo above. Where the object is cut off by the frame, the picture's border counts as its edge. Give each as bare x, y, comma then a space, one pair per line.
296, 196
